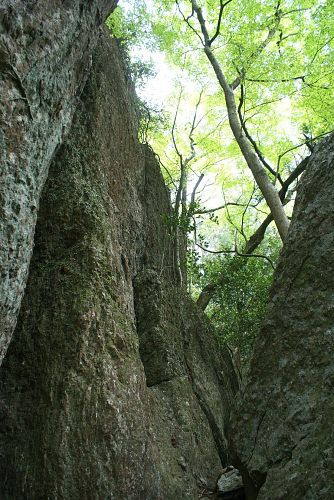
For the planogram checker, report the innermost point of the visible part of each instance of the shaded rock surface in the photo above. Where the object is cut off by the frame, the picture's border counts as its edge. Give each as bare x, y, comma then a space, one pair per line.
230, 484
112, 386
45, 56
282, 428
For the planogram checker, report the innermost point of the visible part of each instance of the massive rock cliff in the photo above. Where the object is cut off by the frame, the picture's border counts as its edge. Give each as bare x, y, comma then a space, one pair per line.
45, 57
112, 386
282, 430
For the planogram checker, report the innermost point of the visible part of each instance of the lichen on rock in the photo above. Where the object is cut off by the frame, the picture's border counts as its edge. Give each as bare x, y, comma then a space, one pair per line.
45, 58
112, 386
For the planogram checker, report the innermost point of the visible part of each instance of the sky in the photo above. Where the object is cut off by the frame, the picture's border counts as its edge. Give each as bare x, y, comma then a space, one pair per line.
157, 89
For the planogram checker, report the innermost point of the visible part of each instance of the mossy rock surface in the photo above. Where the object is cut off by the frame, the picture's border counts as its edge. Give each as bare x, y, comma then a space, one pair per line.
112, 386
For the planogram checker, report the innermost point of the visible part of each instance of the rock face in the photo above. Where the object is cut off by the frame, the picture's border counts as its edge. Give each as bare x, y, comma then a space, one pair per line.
45, 56
282, 432
112, 386
230, 485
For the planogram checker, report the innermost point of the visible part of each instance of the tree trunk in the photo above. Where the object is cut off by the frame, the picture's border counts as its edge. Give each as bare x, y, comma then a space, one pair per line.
266, 187
268, 190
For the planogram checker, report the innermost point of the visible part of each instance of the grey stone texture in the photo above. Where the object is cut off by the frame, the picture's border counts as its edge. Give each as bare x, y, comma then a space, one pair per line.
113, 385
45, 57
282, 428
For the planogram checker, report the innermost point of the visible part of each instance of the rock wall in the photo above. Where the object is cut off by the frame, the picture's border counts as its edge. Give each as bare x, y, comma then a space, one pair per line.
45, 56
282, 428
113, 386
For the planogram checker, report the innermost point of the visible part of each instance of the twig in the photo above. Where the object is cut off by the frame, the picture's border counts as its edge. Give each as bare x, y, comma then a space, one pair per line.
186, 20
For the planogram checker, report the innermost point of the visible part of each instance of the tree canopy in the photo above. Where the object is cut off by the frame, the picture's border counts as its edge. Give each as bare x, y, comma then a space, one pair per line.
252, 95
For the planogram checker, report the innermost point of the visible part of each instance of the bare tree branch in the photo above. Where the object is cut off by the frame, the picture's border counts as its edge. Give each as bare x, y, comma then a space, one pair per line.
319, 49
186, 20
181, 189
245, 210
299, 146
256, 239
221, 10
236, 252
229, 218
283, 80
228, 204
193, 194
174, 125
272, 101
165, 168
295, 10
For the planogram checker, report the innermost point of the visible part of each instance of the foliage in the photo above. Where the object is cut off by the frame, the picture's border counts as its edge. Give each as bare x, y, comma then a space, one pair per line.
130, 26
240, 302
130, 23
287, 86
282, 53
